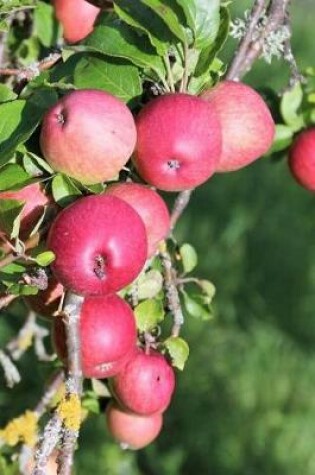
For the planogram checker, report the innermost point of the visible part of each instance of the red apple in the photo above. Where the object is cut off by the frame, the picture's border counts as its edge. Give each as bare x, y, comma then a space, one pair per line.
131, 430
146, 384
100, 245
247, 125
302, 159
88, 135
108, 336
150, 207
35, 200
179, 142
77, 18
47, 301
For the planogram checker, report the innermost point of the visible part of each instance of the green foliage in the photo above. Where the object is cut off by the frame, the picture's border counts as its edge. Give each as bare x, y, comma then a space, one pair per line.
149, 314
178, 350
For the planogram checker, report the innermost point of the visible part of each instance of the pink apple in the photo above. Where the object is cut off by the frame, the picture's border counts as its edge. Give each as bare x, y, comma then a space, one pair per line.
146, 384
35, 200
179, 142
88, 135
100, 245
47, 301
108, 336
302, 159
247, 125
131, 430
77, 18
150, 207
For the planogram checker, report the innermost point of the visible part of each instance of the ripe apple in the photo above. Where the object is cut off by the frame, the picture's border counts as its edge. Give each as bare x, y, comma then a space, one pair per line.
302, 159
131, 430
150, 207
146, 384
179, 142
35, 200
247, 125
100, 245
88, 135
47, 301
108, 335
77, 18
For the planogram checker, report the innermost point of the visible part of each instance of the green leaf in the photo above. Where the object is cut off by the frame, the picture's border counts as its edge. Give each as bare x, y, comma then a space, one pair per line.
13, 176
171, 14
189, 257
117, 39
9, 216
100, 388
138, 15
149, 284
197, 308
45, 258
90, 402
209, 53
108, 74
203, 17
19, 119
64, 190
289, 106
21, 289
149, 314
6, 94
35, 165
283, 138
46, 27
178, 350
208, 288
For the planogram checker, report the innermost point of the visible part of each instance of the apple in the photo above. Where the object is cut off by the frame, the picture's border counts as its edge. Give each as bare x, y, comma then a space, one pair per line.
302, 159
77, 18
179, 142
35, 200
247, 125
150, 207
88, 135
47, 301
131, 430
107, 332
146, 384
99, 243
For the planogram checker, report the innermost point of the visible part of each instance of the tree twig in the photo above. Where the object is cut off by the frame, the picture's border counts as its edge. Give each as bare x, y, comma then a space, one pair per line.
180, 205
28, 73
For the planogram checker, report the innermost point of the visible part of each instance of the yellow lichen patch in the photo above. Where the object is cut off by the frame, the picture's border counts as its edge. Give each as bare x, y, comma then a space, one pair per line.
26, 341
69, 411
21, 429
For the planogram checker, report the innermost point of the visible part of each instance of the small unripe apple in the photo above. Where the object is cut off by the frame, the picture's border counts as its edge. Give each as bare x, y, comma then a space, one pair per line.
179, 142
131, 430
35, 200
302, 159
247, 125
47, 301
150, 207
108, 336
146, 384
77, 18
100, 245
88, 135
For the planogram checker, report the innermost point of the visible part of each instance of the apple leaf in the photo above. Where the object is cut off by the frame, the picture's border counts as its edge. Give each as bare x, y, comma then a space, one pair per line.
189, 257
198, 306
21, 289
10, 211
289, 106
64, 190
114, 38
203, 17
46, 27
13, 176
149, 284
45, 258
6, 94
178, 350
283, 138
108, 74
35, 165
208, 288
149, 314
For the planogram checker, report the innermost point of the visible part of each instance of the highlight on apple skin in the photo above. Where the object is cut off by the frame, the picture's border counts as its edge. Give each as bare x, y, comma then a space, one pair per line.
146, 384
89, 135
302, 159
100, 245
77, 18
179, 142
247, 125
131, 430
150, 207
108, 336
35, 200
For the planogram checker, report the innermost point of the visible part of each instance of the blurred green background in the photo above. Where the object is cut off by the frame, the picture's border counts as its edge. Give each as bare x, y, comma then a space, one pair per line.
245, 403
